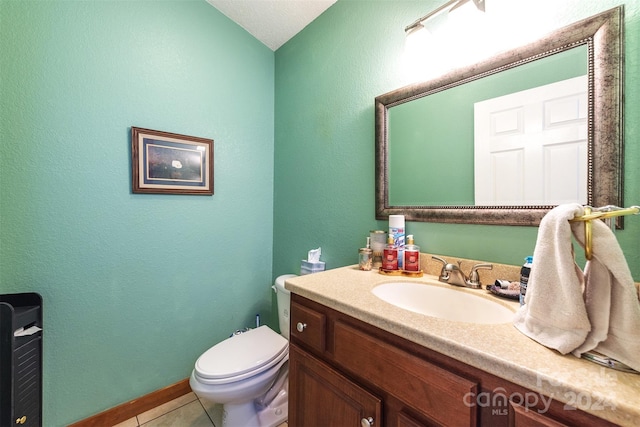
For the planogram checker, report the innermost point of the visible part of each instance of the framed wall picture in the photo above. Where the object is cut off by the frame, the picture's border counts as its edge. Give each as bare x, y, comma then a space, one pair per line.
169, 163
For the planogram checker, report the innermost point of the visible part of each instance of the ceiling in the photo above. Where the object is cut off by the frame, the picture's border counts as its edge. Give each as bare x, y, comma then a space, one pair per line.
273, 22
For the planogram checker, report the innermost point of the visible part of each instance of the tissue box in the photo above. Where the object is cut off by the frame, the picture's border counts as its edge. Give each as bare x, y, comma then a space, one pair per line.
307, 267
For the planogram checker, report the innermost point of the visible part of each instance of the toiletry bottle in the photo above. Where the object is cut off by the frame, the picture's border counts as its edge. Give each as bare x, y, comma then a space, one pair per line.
411, 255
365, 256
524, 277
378, 240
390, 255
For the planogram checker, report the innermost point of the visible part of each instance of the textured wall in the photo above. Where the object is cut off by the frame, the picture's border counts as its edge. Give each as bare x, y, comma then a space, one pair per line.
326, 80
135, 287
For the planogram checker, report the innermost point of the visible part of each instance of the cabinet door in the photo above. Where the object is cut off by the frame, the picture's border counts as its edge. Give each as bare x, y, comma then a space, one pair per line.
520, 416
405, 420
26, 383
320, 396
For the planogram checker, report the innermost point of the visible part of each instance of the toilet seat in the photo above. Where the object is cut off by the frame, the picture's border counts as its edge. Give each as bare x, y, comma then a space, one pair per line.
241, 356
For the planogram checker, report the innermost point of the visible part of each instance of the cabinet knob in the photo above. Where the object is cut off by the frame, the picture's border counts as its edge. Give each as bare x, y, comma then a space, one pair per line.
366, 422
301, 326
21, 420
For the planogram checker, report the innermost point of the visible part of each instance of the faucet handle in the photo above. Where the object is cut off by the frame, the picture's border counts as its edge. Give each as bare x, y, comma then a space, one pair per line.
482, 266
474, 276
444, 274
437, 258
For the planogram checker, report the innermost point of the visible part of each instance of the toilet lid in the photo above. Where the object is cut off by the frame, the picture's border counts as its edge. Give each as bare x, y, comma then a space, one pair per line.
250, 352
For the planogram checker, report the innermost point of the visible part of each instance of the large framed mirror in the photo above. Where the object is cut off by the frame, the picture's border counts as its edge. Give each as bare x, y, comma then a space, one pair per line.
445, 165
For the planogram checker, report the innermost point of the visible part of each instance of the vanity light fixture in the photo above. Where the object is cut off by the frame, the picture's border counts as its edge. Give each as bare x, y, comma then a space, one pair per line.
448, 6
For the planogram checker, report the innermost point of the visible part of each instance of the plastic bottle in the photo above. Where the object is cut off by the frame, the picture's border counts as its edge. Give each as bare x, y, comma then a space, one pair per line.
390, 255
411, 255
524, 277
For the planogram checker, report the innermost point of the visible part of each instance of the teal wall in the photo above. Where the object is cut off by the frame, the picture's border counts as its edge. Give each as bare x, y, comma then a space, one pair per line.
135, 287
448, 131
326, 80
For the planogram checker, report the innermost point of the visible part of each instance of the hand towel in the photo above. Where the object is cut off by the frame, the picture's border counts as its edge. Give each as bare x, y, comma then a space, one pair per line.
574, 311
611, 299
554, 313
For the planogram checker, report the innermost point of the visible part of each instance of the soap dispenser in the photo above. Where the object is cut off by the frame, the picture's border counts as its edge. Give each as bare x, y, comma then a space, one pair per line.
411, 255
390, 255
365, 256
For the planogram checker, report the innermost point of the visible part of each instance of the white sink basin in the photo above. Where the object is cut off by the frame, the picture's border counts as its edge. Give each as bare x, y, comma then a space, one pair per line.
444, 302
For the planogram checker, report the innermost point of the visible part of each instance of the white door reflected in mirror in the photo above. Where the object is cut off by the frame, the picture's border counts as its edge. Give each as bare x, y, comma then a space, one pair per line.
528, 143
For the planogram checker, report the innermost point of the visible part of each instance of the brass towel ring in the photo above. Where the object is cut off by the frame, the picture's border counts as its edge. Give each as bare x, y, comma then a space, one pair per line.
600, 213
588, 235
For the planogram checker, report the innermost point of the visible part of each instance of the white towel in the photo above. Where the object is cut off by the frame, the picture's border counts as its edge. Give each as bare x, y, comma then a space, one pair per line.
572, 311
554, 313
611, 299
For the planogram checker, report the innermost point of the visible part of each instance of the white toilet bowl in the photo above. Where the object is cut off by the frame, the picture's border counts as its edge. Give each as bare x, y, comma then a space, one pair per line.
248, 374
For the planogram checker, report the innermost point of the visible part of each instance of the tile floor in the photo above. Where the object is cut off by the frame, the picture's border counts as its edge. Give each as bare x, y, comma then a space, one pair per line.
185, 411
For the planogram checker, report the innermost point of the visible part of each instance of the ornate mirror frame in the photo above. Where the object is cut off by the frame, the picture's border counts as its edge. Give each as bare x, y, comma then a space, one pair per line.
602, 34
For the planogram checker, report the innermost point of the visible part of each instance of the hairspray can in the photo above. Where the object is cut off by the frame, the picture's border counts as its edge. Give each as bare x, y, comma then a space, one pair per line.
396, 230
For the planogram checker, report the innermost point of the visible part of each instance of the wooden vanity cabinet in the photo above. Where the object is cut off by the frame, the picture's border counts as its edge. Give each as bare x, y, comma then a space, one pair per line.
328, 398
344, 372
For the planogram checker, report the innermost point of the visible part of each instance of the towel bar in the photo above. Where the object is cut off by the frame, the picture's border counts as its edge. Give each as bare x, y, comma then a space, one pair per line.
600, 213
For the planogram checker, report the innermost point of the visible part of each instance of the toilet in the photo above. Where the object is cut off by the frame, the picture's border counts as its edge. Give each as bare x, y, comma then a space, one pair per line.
248, 372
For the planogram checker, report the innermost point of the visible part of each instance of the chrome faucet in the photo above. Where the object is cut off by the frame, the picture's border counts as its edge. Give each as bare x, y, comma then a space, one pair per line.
453, 275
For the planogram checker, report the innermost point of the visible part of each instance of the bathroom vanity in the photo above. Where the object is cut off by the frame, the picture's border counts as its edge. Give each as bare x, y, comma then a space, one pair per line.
358, 360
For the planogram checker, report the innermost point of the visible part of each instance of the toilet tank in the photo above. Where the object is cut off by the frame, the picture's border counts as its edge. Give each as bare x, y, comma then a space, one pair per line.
284, 303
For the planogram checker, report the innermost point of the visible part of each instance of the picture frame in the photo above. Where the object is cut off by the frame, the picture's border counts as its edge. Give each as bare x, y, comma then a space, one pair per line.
170, 163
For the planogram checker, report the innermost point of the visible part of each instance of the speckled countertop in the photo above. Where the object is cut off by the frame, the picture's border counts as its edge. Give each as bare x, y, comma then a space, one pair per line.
498, 349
